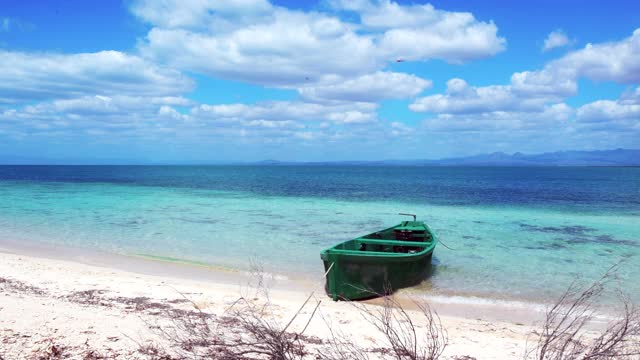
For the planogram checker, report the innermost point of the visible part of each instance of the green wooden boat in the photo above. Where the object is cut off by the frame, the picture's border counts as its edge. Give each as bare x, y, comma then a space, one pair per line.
380, 262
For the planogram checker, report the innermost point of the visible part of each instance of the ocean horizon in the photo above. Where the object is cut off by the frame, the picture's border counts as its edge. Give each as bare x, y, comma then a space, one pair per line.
511, 233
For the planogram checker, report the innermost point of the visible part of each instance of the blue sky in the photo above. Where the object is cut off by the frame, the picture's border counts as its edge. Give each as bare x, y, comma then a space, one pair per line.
199, 81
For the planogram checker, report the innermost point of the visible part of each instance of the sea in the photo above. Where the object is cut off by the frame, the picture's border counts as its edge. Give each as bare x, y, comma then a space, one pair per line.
509, 233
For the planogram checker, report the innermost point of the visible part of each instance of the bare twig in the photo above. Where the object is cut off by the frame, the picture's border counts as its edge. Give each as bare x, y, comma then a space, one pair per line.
340, 346
563, 332
246, 329
405, 340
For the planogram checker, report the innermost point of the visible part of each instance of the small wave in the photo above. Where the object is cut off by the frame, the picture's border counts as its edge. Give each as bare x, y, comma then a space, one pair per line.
481, 301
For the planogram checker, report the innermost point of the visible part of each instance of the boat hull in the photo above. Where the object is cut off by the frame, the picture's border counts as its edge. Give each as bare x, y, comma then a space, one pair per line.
355, 277
379, 263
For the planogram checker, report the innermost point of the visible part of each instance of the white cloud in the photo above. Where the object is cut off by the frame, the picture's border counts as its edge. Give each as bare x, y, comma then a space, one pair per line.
275, 46
550, 82
339, 67
369, 88
617, 61
613, 61
555, 39
455, 38
535, 97
343, 113
275, 124
624, 111
40, 76
118, 114
554, 116
422, 32
453, 46
144, 118
167, 111
461, 98
286, 49
100, 104
351, 117
605, 110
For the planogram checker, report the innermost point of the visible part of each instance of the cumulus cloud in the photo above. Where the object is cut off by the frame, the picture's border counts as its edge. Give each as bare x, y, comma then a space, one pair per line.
537, 96
342, 113
339, 68
613, 61
98, 115
422, 32
351, 117
270, 124
555, 39
276, 46
145, 117
552, 82
99, 104
288, 50
149, 117
30, 77
369, 88
623, 111
550, 117
272, 114
455, 38
617, 61
461, 98
605, 110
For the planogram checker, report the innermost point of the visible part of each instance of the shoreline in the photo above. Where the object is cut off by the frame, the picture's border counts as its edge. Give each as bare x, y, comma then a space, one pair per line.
495, 308
455, 304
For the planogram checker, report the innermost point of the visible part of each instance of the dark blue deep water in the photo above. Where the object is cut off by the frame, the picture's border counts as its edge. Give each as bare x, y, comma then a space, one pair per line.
580, 188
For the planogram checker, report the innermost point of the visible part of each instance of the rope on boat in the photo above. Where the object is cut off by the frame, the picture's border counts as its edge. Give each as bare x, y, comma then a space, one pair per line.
327, 272
445, 245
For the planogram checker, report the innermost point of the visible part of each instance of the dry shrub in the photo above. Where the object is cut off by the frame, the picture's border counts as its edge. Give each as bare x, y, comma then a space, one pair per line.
339, 345
405, 339
51, 351
563, 335
247, 329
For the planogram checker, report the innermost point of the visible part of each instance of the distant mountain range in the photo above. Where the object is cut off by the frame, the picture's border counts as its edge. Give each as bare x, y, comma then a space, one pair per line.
617, 157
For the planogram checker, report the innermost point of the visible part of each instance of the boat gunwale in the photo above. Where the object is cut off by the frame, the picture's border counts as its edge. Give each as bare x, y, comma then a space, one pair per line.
427, 247
356, 253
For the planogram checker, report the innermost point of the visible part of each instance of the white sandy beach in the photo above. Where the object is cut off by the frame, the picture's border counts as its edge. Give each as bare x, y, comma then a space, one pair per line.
78, 306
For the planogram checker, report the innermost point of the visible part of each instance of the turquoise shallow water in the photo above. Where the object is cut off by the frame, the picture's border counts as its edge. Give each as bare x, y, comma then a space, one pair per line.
504, 249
